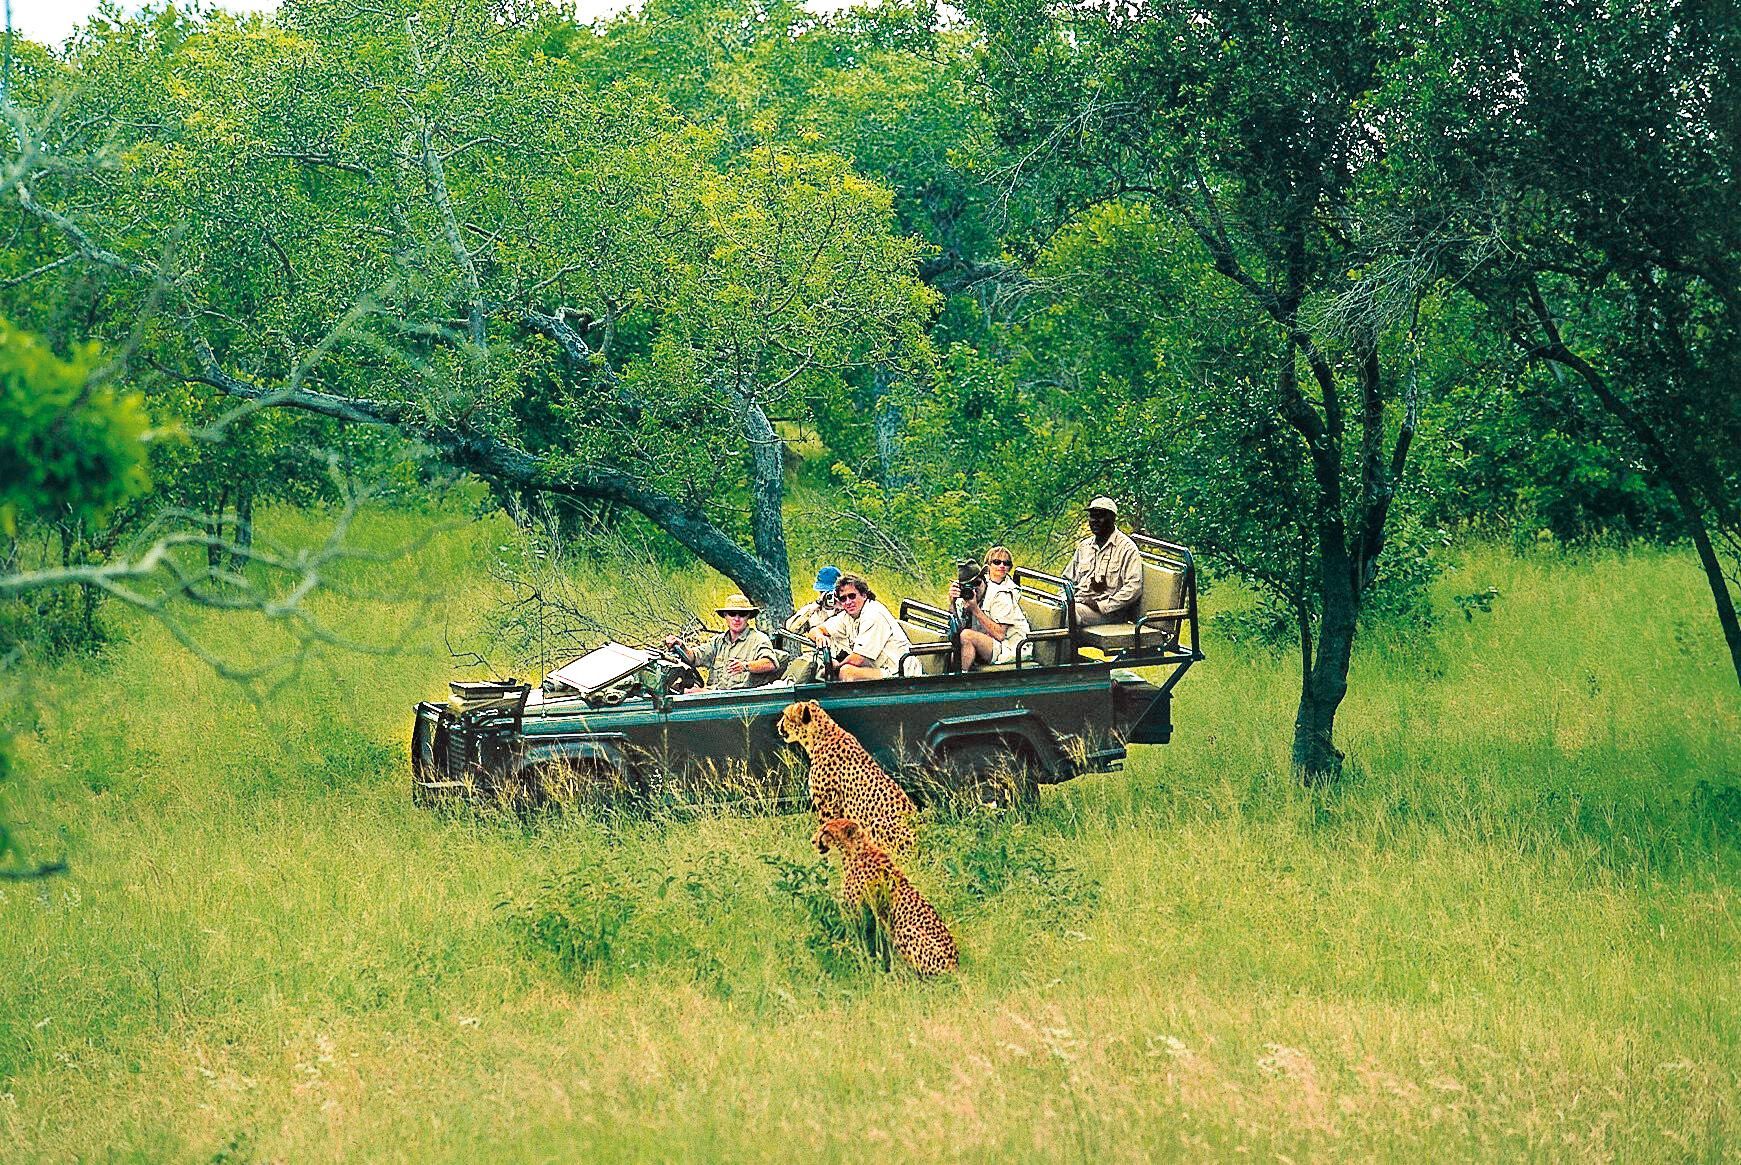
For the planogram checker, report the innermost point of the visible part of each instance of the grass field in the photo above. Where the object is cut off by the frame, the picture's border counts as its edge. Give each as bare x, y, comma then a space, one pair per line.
1512, 931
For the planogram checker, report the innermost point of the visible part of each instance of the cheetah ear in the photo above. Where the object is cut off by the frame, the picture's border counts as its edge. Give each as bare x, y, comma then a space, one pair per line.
850, 829
804, 710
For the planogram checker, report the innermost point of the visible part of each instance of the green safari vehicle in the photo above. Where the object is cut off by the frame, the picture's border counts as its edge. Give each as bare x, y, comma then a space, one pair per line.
616, 723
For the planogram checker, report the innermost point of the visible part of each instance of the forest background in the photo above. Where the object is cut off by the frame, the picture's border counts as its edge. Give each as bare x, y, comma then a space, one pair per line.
364, 337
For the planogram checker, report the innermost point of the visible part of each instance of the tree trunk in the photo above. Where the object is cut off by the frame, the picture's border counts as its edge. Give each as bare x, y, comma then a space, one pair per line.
244, 538
507, 466
767, 508
886, 428
1316, 758
1657, 450
1713, 568
215, 531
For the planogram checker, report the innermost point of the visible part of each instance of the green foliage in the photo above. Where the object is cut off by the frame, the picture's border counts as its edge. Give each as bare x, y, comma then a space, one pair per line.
832, 935
992, 853
72, 448
577, 918
612, 919
53, 623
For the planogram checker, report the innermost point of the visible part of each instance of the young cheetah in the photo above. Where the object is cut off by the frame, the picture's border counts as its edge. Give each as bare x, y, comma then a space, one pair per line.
876, 884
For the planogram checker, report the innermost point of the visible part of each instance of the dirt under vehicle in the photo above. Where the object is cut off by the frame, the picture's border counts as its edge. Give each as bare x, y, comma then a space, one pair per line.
615, 723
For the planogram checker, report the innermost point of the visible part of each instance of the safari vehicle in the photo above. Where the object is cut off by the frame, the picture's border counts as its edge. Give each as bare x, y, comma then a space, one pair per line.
622, 721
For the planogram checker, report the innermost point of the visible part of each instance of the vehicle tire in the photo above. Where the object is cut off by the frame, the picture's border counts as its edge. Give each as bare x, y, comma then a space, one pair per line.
421, 795
991, 772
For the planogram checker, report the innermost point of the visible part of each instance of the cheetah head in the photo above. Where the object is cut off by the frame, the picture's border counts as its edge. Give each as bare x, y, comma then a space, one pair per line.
840, 833
800, 721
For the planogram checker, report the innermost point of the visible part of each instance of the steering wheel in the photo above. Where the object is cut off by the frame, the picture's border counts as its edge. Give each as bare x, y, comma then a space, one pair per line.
685, 677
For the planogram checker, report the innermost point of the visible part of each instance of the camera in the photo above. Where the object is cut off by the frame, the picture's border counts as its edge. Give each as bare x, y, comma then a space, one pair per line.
969, 576
970, 580
827, 601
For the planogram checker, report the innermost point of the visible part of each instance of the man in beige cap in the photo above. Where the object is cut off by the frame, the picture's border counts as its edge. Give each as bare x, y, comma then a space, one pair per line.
1107, 569
741, 656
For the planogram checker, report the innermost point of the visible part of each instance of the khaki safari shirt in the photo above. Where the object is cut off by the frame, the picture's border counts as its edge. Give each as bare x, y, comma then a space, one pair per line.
1003, 605
1112, 573
809, 617
719, 651
875, 634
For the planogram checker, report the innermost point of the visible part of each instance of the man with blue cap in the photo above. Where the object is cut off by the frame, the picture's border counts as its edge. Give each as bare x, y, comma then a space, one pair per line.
808, 618
819, 610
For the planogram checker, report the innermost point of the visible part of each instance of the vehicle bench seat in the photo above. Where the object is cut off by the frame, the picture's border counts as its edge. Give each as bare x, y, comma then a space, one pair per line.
1044, 617
931, 663
1161, 608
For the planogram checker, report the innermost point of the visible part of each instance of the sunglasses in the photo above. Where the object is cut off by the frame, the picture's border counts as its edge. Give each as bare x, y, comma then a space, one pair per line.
999, 562
846, 596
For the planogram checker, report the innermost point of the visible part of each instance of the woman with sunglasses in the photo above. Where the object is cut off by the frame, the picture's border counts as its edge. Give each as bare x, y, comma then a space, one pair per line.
996, 625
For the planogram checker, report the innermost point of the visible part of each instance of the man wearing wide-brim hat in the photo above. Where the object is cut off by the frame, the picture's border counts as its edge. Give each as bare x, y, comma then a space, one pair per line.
1107, 569
741, 656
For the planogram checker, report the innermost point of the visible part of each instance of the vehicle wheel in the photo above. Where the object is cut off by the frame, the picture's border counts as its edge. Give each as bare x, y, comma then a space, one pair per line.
986, 772
421, 795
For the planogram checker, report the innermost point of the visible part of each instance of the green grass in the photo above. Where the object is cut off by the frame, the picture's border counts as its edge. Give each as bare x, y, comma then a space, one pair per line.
1511, 931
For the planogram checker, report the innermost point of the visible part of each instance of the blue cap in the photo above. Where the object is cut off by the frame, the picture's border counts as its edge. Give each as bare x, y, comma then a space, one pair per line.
826, 578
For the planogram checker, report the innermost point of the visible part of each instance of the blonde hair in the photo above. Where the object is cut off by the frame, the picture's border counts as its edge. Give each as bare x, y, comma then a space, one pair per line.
994, 551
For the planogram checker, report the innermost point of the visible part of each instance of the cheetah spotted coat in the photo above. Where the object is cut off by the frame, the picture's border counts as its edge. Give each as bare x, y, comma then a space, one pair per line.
874, 882
846, 781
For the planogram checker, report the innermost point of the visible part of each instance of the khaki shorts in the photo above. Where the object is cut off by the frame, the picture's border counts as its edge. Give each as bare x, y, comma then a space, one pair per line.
1007, 649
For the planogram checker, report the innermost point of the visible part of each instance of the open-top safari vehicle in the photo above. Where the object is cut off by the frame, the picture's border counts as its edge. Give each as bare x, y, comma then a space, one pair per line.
627, 722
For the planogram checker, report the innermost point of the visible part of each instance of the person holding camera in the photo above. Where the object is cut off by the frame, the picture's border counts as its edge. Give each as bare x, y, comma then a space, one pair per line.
812, 616
988, 607
820, 609
875, 641
1107, 569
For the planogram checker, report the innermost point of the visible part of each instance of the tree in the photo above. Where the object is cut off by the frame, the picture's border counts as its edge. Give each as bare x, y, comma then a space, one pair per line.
409, 216
1250, 126
1573, 165
887, 88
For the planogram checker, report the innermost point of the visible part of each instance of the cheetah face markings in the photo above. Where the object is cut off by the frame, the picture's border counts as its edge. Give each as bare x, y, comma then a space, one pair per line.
797, 722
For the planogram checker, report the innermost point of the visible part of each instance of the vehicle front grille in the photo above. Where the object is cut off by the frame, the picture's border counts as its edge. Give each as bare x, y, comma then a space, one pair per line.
455, 763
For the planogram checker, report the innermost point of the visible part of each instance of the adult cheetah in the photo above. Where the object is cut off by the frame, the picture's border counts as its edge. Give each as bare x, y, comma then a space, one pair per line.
846, 781
876, 884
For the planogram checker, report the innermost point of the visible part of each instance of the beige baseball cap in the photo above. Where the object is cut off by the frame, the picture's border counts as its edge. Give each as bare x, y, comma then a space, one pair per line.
1104, 503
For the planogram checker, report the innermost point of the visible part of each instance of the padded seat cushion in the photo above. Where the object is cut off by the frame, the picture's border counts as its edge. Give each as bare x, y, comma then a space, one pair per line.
1045, 617
933, 664
1163, 590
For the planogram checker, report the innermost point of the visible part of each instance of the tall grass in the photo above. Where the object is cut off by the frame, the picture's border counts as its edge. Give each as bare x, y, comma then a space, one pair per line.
1512, 930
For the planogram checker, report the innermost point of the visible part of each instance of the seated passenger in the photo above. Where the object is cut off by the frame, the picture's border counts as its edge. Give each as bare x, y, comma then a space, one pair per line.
820, 609
1107, 570
990, 610
874, 639
741, 656
808, 618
